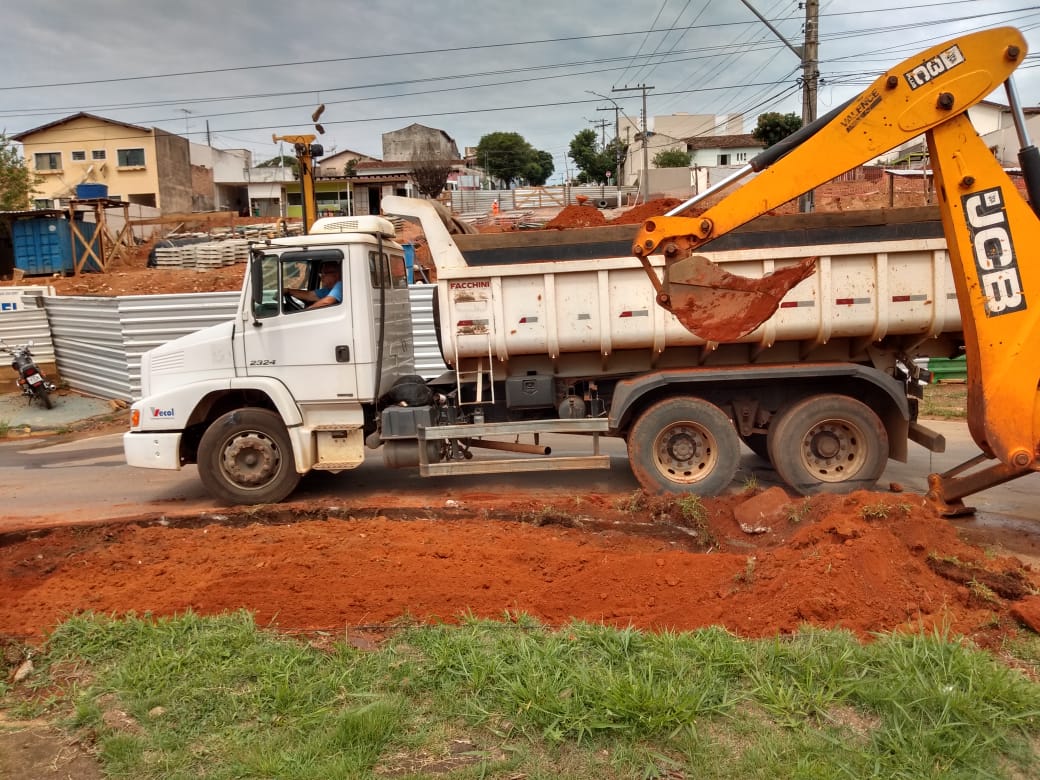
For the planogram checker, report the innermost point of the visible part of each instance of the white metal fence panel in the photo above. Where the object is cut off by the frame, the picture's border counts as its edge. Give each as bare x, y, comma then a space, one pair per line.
98, 342
428, 361
525, 198
24, 325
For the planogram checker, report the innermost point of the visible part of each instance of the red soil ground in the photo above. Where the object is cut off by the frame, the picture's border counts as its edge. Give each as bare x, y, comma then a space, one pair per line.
866, 562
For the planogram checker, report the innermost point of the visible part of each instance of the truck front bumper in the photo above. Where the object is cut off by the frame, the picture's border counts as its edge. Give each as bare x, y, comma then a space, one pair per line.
152, 450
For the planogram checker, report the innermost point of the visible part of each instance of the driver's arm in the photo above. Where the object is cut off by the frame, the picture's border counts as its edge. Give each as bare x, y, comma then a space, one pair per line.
303, 295
334, 297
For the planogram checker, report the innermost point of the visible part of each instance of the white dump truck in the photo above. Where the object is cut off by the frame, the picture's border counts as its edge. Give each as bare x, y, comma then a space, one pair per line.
556, 332
796, 335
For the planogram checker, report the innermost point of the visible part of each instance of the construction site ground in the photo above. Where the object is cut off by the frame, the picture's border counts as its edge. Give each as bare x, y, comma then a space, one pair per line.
756, 562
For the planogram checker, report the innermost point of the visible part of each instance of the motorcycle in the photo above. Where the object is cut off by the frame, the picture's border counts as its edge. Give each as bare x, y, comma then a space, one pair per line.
31, 381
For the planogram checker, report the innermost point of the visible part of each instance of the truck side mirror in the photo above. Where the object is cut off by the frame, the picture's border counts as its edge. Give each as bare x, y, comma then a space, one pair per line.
256, 285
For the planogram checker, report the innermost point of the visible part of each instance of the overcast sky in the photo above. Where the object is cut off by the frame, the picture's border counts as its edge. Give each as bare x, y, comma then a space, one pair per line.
248, 69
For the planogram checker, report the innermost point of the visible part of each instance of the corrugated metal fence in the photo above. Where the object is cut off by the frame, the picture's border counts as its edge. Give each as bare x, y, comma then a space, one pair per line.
479, 201
428, 362
98, 342
24, 325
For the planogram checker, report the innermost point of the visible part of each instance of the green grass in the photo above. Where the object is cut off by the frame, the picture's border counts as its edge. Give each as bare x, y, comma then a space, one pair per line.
220, 698
945, 400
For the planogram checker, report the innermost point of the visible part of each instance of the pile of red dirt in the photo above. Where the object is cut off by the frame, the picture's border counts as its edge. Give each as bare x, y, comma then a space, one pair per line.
866, 562
643, 212
576, 217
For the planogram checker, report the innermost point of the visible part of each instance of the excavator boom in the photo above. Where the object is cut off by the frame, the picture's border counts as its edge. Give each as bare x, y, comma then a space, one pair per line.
908, 100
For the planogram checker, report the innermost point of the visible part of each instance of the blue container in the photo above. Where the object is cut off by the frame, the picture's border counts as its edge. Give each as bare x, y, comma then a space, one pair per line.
90, 190
42, 246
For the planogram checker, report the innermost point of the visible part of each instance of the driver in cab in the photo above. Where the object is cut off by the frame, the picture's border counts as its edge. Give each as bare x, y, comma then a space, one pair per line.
330, 293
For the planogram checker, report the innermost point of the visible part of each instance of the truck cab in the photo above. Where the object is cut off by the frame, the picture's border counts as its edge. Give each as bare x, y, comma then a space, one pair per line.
285, 387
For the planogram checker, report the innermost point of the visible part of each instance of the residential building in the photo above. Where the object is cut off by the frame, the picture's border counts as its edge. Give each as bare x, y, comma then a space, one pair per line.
141, 165
712, 140
220, 178
418, 142
722, 150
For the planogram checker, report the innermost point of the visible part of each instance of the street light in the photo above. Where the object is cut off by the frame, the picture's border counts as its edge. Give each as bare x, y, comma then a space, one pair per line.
617, 140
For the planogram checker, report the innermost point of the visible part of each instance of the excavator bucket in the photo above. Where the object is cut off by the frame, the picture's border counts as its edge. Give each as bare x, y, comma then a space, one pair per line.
719, 306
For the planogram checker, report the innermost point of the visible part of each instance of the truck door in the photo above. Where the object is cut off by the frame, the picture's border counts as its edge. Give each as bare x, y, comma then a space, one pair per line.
310, 350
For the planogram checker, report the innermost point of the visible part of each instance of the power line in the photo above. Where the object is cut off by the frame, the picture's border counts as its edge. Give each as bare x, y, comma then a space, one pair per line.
445, 50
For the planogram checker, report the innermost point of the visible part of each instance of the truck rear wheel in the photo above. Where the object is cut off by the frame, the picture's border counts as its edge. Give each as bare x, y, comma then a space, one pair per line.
245, 457
682, 445
828, 444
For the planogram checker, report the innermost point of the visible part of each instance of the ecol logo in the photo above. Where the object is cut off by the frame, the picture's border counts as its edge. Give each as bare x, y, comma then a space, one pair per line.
162, 412
945, 60
994, 252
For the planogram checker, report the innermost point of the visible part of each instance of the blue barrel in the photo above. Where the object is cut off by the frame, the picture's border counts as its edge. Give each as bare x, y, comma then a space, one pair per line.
409, 262
91, 190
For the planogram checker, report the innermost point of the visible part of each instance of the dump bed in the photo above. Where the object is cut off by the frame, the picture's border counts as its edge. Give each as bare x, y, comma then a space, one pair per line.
579, 300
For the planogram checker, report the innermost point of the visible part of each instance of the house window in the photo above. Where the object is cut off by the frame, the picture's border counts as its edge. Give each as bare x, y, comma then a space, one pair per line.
130, 158
723, 159
47, 161
97, 154
43, 203
79, 156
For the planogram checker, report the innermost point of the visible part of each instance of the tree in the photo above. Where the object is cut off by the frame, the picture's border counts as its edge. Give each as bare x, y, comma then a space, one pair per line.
539, 169
282, 161
17, 182
592, 162
429, 170
774, 127
672, 158
508, 157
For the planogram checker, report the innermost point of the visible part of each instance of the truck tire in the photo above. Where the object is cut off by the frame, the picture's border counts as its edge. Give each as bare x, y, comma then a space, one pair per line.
828, 444
684, 445
245, 457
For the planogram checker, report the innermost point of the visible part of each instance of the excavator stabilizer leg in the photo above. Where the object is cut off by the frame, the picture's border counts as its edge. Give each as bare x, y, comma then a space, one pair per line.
719, 306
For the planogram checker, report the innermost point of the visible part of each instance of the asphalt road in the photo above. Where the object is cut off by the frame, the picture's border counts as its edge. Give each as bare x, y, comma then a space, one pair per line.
47, 483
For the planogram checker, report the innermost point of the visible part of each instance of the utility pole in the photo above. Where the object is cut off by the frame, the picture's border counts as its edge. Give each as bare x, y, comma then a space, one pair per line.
810, 80
617, 141
809, 56
602, 125
644, 183
617, 146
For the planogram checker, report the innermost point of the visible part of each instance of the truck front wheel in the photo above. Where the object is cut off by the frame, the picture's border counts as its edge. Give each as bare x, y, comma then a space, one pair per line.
682, 445
245, 457
828, 444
